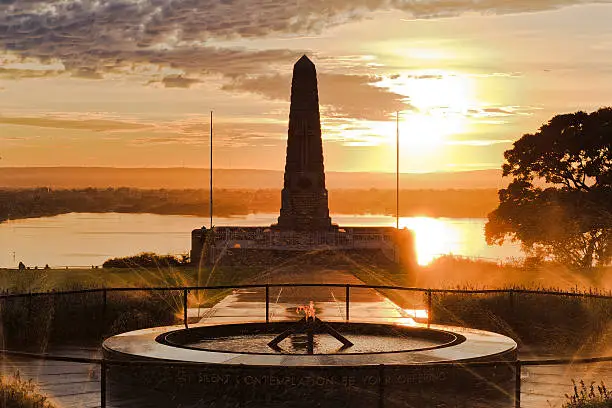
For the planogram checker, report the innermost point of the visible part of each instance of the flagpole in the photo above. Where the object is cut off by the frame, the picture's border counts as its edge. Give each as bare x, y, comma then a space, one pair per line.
397, 158
211, 169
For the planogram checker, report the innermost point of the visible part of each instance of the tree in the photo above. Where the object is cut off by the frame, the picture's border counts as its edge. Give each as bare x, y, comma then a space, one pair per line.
559, 202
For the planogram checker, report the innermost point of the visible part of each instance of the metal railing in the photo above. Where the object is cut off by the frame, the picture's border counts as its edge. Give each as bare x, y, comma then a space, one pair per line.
105, 363
430, 292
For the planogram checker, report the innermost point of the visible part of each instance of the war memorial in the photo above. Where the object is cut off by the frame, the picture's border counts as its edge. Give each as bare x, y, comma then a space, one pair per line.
255, 350
304, 223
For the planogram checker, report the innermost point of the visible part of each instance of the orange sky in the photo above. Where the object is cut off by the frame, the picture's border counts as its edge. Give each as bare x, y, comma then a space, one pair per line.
130, 84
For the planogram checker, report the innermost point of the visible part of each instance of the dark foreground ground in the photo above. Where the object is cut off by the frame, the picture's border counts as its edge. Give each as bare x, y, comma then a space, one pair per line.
78, 385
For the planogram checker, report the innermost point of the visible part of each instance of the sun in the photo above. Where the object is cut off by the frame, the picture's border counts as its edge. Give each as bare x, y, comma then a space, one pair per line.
439, 104
438, 89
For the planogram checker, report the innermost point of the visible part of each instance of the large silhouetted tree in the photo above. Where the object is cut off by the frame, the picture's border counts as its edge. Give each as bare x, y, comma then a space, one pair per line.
559, 202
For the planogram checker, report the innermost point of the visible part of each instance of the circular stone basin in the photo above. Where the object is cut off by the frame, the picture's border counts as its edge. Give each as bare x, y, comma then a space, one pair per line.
232, 365
253, 338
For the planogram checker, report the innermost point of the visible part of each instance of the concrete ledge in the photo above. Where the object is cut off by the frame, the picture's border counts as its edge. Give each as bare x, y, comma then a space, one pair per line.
477, 345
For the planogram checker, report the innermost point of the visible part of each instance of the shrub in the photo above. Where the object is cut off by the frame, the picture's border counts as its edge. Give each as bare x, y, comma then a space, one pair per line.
18, 393
55, 318
589, 397
146, 260
549, 323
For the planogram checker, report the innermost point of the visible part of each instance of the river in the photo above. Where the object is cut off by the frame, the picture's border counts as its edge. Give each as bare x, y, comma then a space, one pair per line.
85, 239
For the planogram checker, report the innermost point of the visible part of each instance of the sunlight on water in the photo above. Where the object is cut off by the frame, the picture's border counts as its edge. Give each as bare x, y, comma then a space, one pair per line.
433, 237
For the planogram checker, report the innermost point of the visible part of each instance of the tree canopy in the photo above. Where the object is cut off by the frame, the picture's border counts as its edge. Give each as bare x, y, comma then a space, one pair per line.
559, 201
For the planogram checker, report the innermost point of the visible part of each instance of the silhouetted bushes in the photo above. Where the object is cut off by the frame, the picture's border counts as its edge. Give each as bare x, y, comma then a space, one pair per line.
37, 321
146, 260
547, 323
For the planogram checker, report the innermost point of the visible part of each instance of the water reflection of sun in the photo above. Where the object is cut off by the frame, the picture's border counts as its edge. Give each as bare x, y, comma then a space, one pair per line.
433, 237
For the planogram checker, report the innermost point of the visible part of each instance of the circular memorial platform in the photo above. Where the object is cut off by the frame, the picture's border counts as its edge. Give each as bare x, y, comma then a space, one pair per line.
385, 362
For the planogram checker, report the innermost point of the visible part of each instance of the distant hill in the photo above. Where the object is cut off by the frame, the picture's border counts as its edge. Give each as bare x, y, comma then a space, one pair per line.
190, 178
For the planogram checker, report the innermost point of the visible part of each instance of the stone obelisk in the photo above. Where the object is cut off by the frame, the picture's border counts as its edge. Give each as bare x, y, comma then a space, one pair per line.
304, 204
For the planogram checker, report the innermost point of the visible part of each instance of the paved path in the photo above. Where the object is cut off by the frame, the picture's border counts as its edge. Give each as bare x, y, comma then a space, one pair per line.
248, 304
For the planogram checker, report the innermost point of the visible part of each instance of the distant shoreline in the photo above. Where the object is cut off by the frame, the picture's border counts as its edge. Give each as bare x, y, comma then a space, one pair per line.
43, 202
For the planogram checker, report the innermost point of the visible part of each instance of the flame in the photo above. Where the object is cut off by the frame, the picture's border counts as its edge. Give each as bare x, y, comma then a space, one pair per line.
309, 311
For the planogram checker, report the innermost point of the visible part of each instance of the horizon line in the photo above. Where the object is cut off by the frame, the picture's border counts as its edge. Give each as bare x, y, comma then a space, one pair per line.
237, 169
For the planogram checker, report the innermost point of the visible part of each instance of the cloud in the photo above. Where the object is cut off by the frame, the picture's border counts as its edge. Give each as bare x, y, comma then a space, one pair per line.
195, 131
86, 73
94, 37
500, 111
356, 132
424, 76
498, 75
17, 73
352, 96
443, 8
356, 96
190, 131
178, 81
95, 125
478, 142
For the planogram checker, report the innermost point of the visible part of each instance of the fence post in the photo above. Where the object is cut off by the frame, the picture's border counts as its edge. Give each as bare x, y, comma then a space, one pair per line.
517, 384
348, 301
185, 308
29, 305
267, 303
429, 308
381, 386
104, 306
103, 383
511, 300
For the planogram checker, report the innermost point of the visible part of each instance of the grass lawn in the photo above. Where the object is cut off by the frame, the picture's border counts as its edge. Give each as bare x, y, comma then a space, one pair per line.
67, 279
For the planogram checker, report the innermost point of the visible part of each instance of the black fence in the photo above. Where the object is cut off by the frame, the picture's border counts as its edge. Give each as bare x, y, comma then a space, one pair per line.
105, 364
185, 290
